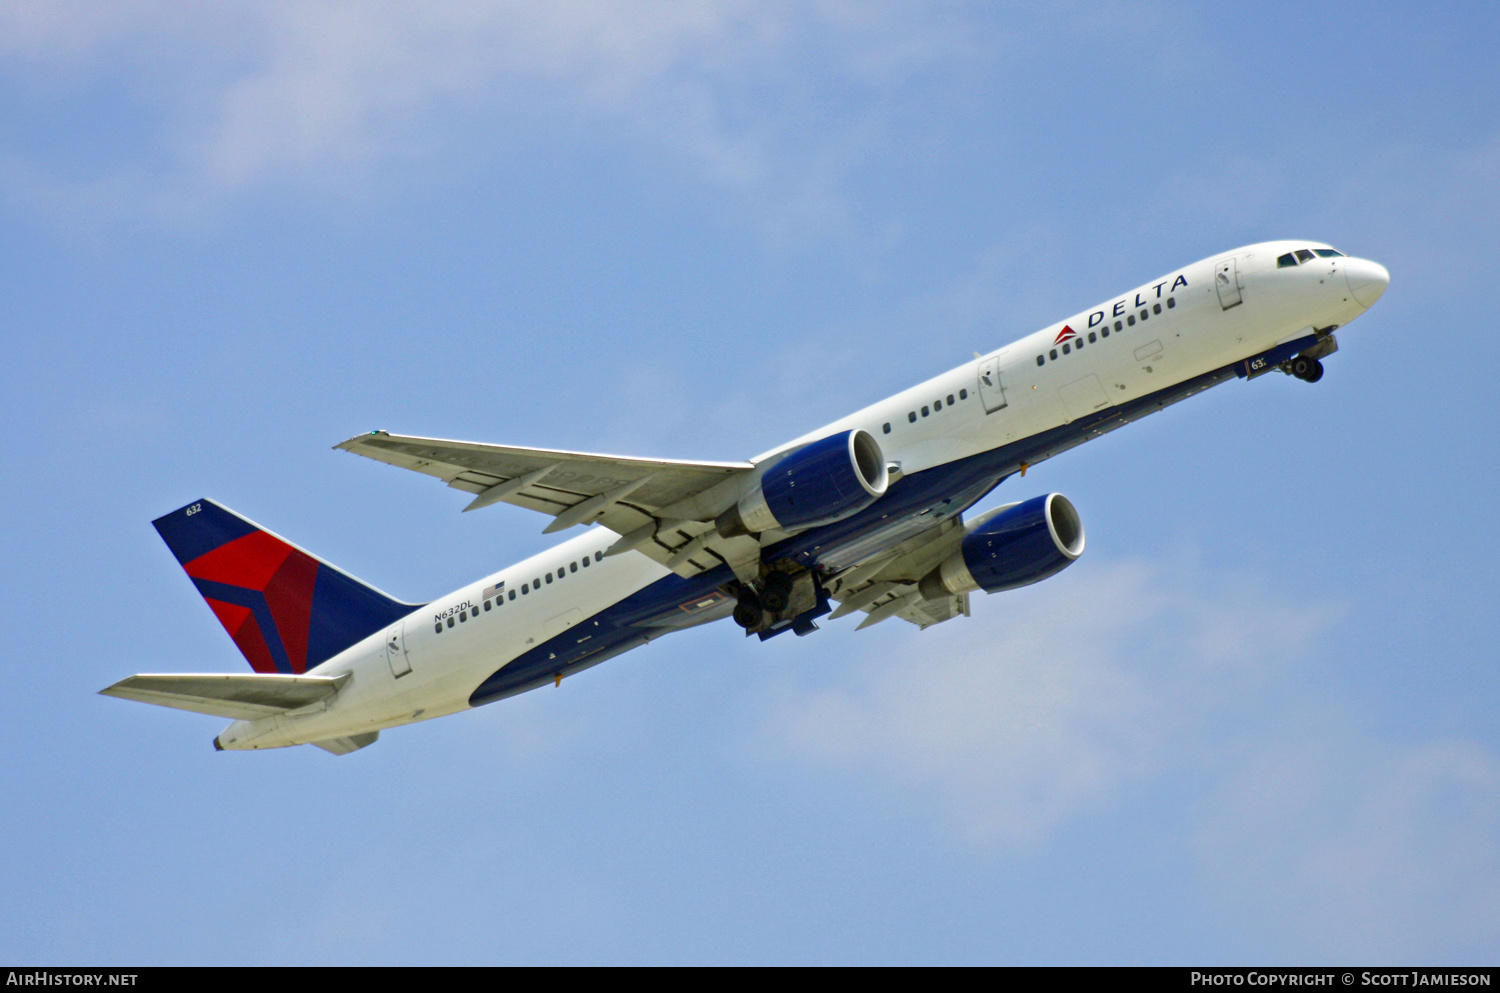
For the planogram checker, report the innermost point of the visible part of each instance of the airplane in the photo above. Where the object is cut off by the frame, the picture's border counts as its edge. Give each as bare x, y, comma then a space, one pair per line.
861, 516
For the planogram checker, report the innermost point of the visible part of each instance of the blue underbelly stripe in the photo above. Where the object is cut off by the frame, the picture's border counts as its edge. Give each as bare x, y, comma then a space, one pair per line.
913, 503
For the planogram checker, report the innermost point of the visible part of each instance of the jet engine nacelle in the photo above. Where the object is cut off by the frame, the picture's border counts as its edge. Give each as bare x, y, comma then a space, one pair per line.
1014, 546
819, 483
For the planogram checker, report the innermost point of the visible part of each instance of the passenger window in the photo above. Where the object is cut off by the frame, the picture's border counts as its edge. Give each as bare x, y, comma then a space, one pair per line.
463, 615
1105, 332
486, 605
525, 588
912, 416
1130, 320
1067, 349
1053, 353
1119, 326
1303, 255
573, 567
549, 579
925, 411
1145, 314
1328, 253
585, 562
1286, 261
1092, 338
1156, 308
450, 622
598, 556
950, 399
512, 594
437, 628
937, 405
887, 428
536, 584
1041, 360
1171, 302
963, 394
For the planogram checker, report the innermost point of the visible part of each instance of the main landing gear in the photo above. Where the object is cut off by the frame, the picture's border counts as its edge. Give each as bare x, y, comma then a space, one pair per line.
748, 612
1306, 369
779, 601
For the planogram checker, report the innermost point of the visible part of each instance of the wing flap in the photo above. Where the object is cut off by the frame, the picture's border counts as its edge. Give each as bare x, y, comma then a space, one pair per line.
238, 696
621, 492
885, 586
926, 613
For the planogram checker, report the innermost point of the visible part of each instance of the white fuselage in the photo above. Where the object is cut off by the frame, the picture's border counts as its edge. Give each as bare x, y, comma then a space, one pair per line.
430, 664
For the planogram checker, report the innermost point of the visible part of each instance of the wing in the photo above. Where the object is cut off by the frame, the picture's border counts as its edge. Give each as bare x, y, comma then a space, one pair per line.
885, 586
662, 507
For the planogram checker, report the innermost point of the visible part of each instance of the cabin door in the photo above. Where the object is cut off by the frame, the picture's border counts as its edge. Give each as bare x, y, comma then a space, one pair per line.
991, 391
395, 651
1227, 282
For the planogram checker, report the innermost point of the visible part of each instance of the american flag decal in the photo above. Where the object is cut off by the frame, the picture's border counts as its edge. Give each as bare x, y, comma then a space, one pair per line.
495, 590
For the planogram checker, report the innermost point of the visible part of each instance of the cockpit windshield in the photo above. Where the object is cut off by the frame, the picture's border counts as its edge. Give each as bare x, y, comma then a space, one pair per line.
1306, 255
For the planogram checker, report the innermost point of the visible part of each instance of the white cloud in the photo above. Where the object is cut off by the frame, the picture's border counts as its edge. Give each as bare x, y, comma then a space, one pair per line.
343, 81
1333, 838
1052, 699
328, 93
1315, 835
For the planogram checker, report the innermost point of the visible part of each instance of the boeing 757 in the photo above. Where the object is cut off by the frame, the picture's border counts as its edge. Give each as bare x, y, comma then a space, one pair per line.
864, 516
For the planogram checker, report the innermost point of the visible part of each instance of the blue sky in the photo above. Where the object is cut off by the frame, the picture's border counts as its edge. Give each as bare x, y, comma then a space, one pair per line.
1255, 723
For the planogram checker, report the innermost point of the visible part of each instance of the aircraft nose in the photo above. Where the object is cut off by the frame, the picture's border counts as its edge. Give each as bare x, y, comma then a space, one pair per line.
1367, 280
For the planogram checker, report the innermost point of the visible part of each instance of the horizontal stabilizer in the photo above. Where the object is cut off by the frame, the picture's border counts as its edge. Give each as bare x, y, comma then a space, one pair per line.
239, 696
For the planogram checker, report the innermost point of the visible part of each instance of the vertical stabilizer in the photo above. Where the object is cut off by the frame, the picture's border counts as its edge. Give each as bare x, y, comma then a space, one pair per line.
286, 610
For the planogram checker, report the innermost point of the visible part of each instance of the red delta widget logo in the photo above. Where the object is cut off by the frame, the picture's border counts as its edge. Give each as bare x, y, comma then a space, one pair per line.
1066, 334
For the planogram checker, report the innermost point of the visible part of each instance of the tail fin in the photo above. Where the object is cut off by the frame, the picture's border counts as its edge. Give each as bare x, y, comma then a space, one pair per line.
286, 610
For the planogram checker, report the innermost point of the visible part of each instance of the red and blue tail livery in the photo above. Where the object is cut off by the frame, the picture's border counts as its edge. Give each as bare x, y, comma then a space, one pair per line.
286, 610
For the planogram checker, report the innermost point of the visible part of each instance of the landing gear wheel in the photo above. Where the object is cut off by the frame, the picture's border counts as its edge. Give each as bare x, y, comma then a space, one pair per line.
748, 613
776, 592
1306, 369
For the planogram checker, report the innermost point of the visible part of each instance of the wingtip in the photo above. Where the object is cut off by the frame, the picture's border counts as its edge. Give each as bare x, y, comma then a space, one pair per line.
348, 443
